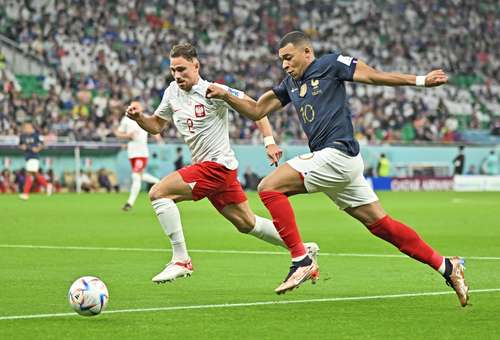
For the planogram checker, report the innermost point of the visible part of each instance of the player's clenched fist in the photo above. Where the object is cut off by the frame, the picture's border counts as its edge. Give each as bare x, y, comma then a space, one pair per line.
134, 110
217, 92
274, 153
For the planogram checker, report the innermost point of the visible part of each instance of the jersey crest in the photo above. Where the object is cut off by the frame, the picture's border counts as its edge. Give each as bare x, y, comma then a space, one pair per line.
199, 111
315, 87
303, 90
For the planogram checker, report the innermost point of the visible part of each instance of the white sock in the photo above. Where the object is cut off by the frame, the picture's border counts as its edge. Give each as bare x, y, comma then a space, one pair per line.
300, 258
265, 230
49, 189
135, 188
148, 178
170, 220
442, 267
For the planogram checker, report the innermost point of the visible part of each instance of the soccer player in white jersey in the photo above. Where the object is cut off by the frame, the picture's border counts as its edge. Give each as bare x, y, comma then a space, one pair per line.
138, 153
203, 123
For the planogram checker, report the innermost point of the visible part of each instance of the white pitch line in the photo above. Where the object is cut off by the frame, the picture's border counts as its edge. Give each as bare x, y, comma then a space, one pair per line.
220, 251
249, 304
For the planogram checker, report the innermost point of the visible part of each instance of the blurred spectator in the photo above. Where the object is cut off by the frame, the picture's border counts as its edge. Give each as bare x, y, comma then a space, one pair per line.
459, 161
251, 179
19, 179
7, 182
179, 159
105, 182
51, 178
383, 166
490, 164
495, 129
105, 53
86, 183
472, 170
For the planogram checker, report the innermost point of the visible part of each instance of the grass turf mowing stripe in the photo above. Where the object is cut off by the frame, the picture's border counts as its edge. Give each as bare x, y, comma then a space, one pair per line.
249, 304
215, 251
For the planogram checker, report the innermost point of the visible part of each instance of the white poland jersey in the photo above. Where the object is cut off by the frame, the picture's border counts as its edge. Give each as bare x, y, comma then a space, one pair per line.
138, 146
202, 122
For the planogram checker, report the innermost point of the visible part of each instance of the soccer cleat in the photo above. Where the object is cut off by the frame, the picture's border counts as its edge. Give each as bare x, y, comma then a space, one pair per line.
456, 280
298, 275
174, 270
24, 197
126, 207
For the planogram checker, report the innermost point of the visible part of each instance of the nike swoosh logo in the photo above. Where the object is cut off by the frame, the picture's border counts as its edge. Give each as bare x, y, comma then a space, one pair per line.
295, 89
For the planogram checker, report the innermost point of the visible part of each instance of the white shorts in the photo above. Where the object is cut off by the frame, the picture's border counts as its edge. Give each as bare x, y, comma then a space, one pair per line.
32, 165
338, 175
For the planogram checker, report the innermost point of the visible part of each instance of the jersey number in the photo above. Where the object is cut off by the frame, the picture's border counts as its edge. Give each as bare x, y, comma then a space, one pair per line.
190, 125
307, 112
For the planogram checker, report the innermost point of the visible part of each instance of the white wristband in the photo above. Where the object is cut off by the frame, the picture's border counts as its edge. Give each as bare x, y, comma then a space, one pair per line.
269, 140
420, 81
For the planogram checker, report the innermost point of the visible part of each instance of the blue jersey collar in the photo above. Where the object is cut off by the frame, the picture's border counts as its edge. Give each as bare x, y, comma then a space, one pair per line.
308, 68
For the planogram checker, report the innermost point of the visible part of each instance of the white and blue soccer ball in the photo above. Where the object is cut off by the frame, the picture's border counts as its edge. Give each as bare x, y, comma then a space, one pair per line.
88, 296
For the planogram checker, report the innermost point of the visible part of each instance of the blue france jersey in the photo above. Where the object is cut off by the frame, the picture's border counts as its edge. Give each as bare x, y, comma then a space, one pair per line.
31, 141
320, 100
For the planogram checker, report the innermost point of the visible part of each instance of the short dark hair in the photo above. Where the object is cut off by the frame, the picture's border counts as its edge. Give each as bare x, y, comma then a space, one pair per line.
185, 50
295, 38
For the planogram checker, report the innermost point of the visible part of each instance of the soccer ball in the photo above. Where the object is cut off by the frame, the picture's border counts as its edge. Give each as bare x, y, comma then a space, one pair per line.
88, 296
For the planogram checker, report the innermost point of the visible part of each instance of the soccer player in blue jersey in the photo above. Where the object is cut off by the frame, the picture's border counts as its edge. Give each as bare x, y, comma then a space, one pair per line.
31, 143
316, 87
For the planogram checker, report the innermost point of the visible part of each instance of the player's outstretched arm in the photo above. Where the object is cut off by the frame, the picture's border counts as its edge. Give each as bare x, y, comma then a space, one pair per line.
368, 75
152, 124
247, 106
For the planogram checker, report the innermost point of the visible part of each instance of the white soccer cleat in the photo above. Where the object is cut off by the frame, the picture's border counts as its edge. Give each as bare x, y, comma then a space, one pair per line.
24, 197
297, 276
174, 270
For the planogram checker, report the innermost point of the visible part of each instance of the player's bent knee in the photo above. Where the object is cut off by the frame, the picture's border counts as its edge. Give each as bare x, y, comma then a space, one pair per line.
264, 185
155, 193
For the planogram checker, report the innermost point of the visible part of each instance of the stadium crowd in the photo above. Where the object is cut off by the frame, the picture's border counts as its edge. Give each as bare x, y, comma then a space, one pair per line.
105, 54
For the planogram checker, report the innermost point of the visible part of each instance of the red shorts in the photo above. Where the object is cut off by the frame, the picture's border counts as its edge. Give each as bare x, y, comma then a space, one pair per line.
214, 181
138, 163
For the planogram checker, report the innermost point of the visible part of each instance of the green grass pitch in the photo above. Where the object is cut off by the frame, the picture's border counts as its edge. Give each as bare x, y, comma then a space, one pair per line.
47, 242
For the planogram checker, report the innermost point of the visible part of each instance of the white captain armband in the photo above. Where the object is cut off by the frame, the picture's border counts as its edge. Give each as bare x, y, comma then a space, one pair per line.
268, 140
420, 81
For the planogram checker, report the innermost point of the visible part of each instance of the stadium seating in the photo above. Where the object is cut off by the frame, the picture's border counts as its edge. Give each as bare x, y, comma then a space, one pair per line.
119, 54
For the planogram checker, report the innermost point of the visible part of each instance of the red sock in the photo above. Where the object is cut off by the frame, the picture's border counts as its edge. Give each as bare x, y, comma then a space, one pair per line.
41, 179
406, 240
27, 184
284, 220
